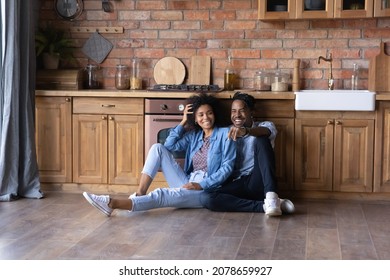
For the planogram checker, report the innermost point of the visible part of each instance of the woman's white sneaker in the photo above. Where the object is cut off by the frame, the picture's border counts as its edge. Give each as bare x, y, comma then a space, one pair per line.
100, 202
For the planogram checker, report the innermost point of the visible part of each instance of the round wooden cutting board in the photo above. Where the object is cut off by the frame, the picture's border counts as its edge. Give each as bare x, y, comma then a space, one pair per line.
170, 71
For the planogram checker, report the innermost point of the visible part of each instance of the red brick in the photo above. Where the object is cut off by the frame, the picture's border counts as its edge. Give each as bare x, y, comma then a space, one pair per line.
167, 15
196, 15
279, 54
222, 15
240, 25
150, 5
182, 5
186, 25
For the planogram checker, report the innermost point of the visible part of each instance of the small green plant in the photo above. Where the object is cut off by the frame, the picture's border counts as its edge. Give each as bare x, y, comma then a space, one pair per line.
53, 41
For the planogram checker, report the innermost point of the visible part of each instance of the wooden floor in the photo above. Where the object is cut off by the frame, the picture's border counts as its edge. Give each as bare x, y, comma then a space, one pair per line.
65, 226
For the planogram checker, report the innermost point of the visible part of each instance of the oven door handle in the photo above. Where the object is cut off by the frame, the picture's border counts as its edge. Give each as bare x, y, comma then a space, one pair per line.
166, 120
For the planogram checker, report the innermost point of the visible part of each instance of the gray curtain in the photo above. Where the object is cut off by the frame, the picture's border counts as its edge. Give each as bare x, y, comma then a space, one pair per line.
18, 163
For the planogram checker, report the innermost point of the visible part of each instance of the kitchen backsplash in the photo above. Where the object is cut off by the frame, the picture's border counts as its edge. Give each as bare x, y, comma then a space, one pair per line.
154, 29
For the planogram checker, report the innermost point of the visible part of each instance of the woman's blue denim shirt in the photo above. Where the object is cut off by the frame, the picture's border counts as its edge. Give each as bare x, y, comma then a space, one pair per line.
221, 155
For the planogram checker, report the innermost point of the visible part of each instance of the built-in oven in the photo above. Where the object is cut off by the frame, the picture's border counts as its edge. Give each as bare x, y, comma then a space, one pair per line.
160, 116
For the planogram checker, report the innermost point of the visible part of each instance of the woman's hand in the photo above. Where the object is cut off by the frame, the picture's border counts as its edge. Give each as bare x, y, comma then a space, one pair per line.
236, 132
192, 186
187, 110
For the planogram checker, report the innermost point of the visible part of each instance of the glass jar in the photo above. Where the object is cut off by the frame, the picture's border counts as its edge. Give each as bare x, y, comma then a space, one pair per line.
262, 81
280, 81
93, 77
135, 81
122, 77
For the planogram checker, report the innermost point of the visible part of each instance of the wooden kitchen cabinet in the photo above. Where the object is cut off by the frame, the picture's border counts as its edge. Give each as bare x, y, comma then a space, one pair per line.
53, 125
296, 9
280, 9
108, 140
354, 9
334, 152
382, 148
382, 8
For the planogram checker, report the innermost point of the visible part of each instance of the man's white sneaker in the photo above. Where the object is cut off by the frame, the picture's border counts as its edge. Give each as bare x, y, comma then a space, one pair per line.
100, 202
272, 204
287, 206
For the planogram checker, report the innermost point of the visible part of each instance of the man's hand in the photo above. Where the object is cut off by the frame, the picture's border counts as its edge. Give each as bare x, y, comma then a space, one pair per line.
236, 132
192, 186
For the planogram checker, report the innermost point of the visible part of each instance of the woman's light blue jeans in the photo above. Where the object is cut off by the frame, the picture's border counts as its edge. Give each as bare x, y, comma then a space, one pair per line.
159, 158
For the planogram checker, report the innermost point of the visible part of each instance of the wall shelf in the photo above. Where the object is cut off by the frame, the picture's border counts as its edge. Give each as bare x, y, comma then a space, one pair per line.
99, 29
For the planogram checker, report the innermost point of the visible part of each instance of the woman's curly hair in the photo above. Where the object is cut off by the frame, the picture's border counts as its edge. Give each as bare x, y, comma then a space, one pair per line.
249, 100
198, 100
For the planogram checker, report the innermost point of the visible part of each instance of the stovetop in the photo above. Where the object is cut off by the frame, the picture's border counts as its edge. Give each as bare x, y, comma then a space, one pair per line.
194, 88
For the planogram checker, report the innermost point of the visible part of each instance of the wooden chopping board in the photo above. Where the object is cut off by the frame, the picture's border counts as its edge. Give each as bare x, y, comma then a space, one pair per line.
170, 71
379, 71
200, 70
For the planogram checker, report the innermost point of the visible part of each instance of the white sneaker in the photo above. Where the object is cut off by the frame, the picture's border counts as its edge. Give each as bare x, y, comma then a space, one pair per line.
287, 206
272, 204
100, 202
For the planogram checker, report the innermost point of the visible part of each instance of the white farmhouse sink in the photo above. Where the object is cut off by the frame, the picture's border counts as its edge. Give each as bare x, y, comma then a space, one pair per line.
335, 100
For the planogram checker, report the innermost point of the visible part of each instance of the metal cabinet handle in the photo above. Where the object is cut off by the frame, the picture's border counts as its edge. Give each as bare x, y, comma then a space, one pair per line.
330, 122
339, 122
67, 99
108, 105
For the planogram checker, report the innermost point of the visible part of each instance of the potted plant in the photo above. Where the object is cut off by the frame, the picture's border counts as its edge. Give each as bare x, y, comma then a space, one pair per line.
52, 46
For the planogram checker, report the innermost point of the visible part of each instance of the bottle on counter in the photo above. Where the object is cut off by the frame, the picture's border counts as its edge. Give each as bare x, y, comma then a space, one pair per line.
230, 76
122, 77
93, 77
355, 77
135, 80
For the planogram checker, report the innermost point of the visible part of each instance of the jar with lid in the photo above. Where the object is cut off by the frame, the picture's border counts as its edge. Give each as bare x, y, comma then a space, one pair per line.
135, 81
122, 77
280, 81
93, 77
262, 81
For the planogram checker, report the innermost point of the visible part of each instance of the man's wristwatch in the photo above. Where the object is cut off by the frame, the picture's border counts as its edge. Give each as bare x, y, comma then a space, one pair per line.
246, 131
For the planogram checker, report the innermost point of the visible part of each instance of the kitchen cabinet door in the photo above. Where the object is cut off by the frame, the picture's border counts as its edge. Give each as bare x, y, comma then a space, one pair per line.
90, 148
354, 9
53, 124
382, 8
304, 12
314, 154
126, 149
382, 148
276, 9
353, 155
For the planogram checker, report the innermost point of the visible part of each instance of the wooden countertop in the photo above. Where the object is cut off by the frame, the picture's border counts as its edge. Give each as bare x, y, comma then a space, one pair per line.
381, 96
159, 94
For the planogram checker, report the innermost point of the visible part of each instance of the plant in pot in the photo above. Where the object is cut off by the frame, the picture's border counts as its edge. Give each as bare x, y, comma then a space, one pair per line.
51, 46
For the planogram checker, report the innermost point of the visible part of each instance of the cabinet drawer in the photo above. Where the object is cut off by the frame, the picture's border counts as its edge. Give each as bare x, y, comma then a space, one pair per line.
128, 106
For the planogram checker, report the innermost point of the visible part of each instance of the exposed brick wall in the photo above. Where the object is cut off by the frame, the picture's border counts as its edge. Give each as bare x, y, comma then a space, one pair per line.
157, 28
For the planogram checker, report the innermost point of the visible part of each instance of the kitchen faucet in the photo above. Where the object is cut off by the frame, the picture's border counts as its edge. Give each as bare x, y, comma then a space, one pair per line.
330, 74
